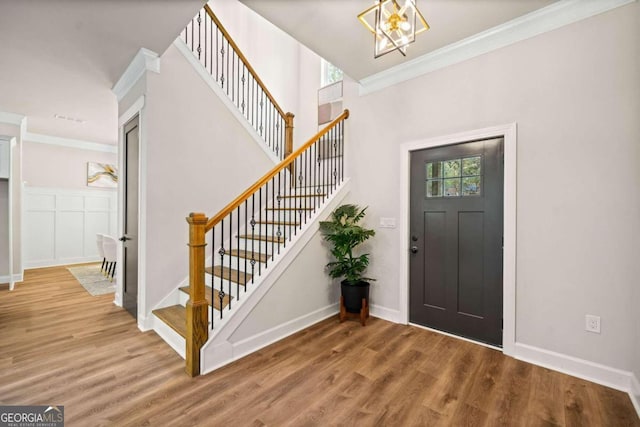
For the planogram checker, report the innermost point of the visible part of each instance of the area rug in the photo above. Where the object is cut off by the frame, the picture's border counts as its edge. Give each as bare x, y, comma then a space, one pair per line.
92, 279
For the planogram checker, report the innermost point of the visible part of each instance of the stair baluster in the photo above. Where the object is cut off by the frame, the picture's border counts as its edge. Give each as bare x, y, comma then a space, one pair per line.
239, 81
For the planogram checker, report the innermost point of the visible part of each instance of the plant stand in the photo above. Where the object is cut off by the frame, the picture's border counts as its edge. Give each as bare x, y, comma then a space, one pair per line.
364, 311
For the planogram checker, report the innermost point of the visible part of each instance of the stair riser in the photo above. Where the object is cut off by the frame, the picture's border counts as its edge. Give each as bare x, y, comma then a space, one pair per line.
292, 215
272, 229
260, 246
238, 263
234, 291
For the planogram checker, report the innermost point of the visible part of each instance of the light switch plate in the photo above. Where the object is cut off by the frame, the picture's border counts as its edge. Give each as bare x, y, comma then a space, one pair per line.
387, 223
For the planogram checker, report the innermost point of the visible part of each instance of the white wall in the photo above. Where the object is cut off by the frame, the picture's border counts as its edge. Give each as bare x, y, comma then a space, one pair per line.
290, 71
303, 288
60, 225
199, 158
56, 166
574, 94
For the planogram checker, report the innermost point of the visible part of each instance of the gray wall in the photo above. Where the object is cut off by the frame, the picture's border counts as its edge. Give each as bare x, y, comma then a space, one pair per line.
574, 93
199, 158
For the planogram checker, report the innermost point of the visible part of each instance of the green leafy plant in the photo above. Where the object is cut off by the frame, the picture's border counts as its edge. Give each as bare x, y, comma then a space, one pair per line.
344, 233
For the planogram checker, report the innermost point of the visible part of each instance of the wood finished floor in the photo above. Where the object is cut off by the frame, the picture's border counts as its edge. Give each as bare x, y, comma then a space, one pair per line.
59, 345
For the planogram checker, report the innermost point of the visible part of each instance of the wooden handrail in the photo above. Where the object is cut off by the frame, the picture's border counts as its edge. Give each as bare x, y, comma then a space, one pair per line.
273, 172
244, 60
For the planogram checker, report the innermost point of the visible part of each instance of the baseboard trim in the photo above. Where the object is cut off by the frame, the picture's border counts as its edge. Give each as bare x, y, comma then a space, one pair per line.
7, 279
57, 263
385, 313
584, 369
263, 339
146, 323
249, 345
634, 393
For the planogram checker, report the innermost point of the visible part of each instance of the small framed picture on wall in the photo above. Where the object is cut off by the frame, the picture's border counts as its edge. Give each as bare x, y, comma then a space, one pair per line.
102, 175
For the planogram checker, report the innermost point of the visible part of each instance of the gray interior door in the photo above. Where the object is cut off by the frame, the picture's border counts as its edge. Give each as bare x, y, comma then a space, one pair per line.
130, 237
456, 239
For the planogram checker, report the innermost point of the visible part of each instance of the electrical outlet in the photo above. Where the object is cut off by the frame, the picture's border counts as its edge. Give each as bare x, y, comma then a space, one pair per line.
592, 323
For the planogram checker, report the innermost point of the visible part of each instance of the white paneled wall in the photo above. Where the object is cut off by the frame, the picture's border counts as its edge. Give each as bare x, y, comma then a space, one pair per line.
60, 226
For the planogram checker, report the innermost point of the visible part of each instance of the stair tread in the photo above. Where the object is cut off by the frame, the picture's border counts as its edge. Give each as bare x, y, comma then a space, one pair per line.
247, 255
227, 273
175, 317
263, 238
207, 295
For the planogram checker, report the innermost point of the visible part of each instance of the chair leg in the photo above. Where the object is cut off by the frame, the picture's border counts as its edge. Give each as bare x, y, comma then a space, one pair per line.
104, 260
113, 270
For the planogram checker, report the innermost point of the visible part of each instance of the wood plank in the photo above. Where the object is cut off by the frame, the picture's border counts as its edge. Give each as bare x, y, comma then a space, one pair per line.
248, 255
208, 295
61, 345
227, 273
175, 316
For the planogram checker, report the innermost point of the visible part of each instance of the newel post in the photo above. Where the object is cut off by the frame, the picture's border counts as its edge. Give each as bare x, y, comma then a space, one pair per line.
197, 316
288, 138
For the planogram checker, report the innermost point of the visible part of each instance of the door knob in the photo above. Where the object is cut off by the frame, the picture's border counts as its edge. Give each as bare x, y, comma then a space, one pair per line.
124, 238
414, 249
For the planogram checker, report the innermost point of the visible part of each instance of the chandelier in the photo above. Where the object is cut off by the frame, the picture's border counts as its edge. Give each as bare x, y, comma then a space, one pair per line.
394, 27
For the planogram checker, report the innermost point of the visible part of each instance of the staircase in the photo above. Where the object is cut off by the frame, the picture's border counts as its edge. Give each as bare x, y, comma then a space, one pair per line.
237, 255
248, 239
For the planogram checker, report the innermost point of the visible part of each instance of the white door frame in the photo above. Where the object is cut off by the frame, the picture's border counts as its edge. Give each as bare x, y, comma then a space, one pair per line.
509, 133
137, 108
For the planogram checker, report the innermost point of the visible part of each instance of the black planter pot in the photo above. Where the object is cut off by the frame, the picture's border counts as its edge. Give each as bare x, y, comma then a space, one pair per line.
353, 292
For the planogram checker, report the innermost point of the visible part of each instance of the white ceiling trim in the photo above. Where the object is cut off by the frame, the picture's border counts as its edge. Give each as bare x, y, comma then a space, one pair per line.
145, 60
12, 118
15, 120
543, 20
70, 143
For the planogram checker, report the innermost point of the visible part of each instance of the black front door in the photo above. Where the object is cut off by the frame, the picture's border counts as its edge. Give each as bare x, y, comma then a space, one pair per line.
130, 238
456, 239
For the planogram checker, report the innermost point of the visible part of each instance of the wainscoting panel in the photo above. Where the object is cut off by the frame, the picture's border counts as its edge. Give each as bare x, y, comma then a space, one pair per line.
60, 225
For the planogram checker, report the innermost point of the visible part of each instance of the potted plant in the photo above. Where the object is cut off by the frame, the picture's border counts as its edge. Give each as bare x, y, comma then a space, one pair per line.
344, 233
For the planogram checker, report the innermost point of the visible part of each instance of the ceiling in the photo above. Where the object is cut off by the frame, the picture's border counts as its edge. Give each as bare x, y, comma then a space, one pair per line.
331, 28
64, 56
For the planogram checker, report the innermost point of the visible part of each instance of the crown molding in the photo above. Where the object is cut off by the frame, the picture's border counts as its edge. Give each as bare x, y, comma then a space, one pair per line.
12, 118
70, 143
145, 60
556, 15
